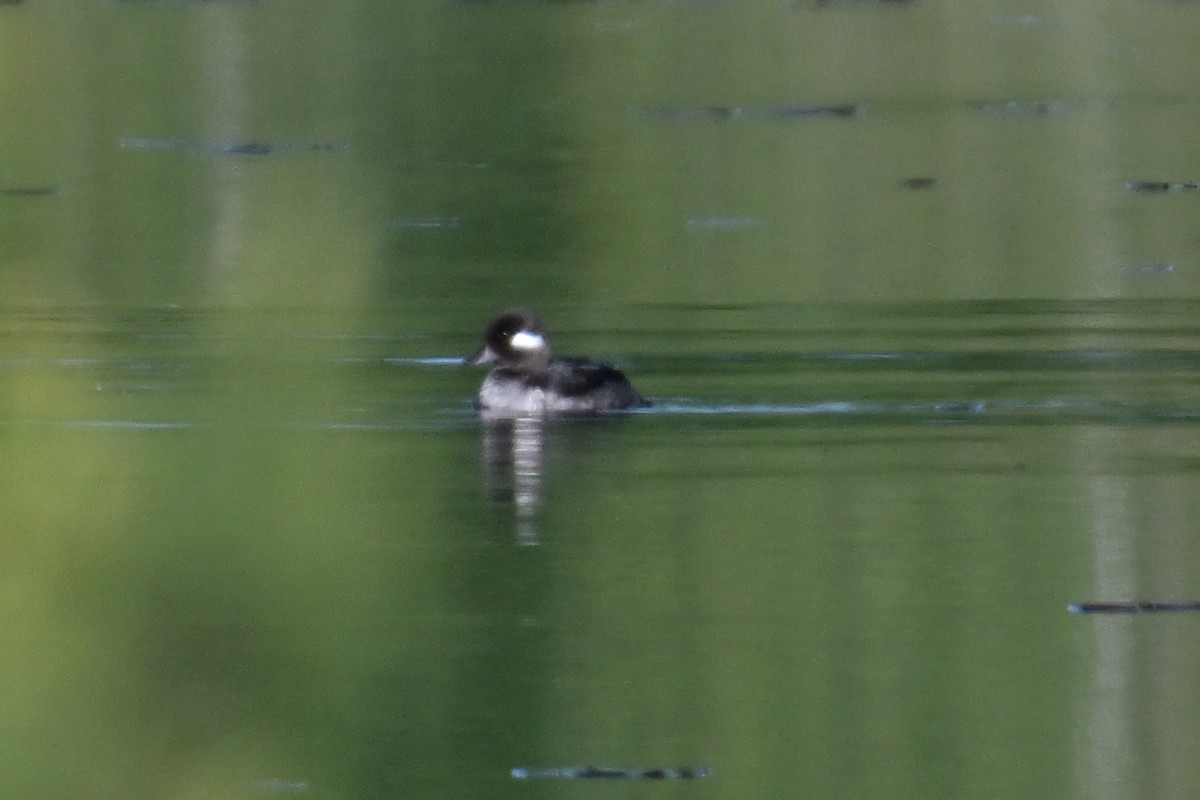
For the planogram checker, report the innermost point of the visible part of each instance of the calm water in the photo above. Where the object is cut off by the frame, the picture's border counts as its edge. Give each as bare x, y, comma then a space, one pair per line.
913, 286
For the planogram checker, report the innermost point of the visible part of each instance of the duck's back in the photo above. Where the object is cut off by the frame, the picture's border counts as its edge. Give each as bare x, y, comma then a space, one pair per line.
581, 384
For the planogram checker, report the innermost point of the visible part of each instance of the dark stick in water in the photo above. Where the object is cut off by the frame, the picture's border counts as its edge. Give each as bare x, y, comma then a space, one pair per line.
593, 772
1132, 607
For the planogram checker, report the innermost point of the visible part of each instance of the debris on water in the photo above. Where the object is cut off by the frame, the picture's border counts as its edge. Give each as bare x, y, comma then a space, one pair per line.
183, 2
613, 773
246, 148
1156, 269
786, 112
1150, 187
723, 223
1133, 607
1027, 21
425, 223
1022, 108
734, 113
823, 3
919, 183
30, 191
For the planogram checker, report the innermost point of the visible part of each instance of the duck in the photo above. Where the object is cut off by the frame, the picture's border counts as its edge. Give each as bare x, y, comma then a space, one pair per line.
528, 379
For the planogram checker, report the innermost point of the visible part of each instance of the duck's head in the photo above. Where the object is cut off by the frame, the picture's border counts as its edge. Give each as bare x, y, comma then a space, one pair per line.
514, 338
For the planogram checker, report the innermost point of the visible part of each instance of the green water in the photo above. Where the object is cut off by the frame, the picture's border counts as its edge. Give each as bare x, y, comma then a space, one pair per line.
925, 366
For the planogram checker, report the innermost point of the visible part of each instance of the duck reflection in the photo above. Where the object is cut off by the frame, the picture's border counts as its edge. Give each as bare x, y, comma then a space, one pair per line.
513, 448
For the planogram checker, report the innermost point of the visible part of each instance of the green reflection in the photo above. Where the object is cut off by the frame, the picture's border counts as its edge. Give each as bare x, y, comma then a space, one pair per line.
245, 555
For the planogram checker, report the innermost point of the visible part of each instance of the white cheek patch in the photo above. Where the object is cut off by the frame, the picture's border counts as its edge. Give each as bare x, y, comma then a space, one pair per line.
526, 340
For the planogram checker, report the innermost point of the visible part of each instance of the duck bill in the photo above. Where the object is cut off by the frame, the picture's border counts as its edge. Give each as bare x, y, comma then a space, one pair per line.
485, 355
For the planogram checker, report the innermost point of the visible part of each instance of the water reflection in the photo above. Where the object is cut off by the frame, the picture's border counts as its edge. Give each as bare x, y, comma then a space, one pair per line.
512, 453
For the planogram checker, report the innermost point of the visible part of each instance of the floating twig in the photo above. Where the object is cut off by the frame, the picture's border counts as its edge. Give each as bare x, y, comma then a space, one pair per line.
613, 773
30, 191
234, 148
732, 113
1133, 607
1153, 187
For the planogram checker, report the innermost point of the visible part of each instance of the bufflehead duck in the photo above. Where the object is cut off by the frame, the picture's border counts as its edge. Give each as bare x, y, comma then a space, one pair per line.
527, 379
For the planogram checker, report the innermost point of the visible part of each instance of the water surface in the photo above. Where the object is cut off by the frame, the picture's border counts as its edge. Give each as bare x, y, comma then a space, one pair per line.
913, 287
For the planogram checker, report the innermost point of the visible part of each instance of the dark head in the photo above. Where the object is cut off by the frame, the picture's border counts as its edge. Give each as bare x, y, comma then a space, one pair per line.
514, 339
